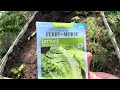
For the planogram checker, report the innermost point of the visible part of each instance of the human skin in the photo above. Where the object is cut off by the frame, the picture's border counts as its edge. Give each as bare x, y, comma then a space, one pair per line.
98, 75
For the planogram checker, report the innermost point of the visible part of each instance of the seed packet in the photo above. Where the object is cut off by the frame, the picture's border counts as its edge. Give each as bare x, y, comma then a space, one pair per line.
61, 50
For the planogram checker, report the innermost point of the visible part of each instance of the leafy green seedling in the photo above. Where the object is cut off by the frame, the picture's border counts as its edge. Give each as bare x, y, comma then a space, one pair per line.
21, 67
77, 12
32, 35
74, 19
16, 71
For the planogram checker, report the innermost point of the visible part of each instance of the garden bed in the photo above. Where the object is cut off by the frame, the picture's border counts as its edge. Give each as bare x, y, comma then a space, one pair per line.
24, 51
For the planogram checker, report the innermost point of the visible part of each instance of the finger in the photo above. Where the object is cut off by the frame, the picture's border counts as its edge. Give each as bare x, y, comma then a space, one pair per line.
102, 75
89, 58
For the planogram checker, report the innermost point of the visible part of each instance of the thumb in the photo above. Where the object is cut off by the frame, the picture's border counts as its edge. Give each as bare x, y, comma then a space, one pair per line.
89, 58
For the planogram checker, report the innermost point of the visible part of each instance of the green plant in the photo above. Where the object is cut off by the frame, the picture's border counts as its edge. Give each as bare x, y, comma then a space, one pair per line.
75, 19
92, 28
83, 13
77, 12
17, 71
113, 21
97, 36
11, 22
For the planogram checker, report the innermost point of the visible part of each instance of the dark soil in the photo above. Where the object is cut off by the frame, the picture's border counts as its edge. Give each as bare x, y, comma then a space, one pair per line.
112, 66
25, 51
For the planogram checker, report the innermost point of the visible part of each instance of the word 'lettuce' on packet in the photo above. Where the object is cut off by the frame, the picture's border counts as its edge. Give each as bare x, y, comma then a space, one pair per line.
61, 50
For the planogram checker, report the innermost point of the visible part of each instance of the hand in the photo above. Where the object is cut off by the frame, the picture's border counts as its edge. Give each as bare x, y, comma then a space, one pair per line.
98, 75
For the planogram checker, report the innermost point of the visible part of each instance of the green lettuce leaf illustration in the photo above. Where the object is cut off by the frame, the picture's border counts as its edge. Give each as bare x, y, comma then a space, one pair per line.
63, 63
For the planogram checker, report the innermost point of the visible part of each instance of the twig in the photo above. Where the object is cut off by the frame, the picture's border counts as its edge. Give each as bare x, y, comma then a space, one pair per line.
1, 77
111, 35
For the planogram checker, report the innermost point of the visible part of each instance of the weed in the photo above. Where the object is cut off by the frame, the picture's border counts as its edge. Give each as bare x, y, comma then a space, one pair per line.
75, 19
82, 13
17, 71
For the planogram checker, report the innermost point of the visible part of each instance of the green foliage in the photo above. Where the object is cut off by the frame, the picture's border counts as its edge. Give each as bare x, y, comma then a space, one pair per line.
97, 36
85, 13
11, 22
114, 13
91, 26
75, 19
113, 21
78, 13
6, 40
17, 71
